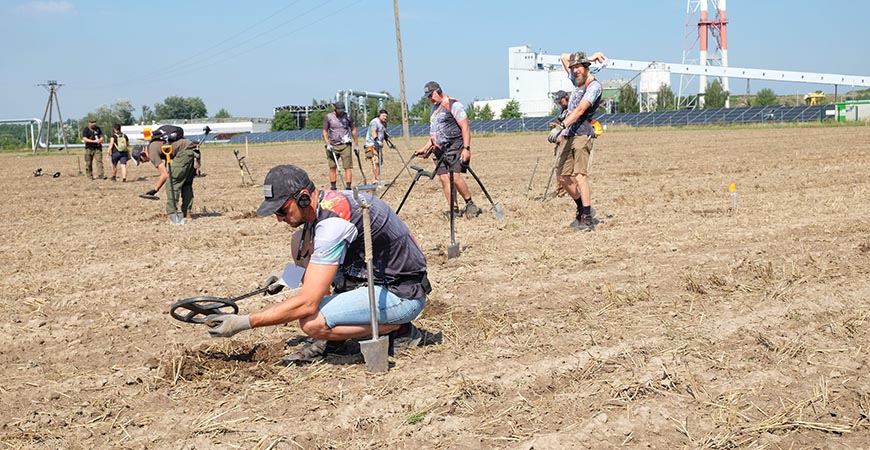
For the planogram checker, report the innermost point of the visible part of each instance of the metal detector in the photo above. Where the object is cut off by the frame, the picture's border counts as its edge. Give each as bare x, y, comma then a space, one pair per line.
38, 173
375, 350
196, 309
175, 217
496, 209
243, 169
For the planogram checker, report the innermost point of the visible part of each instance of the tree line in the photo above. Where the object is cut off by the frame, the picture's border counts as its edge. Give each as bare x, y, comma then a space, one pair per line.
417, 113
15, 136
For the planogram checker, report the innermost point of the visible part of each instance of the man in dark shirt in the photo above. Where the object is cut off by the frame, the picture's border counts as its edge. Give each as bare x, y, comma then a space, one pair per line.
92, 137
333, 234
449, 133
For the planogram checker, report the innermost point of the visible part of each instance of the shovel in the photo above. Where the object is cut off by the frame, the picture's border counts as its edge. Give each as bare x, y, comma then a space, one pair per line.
453, 250
375, 349
496, 209
175, 217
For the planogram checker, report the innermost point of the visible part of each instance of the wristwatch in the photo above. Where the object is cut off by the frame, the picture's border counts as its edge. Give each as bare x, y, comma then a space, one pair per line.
466, 147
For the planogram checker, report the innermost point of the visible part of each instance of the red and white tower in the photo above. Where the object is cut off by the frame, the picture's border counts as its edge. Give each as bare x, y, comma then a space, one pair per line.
713, 55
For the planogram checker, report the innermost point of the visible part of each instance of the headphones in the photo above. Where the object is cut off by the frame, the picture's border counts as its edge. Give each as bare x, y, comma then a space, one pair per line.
302, 198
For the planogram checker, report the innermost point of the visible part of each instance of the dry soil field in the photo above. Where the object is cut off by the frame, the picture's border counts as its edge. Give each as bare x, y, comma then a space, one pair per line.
676, 324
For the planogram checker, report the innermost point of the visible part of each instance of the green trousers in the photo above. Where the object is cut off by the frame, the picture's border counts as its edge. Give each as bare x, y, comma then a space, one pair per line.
181, 175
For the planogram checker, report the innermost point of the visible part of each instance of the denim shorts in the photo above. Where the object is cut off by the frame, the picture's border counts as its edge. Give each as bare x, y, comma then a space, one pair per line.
352, 307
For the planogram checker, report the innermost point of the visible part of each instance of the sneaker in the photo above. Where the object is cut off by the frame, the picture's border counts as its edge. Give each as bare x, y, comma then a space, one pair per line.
582, 224
471, 210
456, 213
310, 352
113, 178
407, 336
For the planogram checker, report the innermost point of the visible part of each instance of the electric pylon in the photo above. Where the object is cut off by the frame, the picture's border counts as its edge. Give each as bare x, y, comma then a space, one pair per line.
53, 103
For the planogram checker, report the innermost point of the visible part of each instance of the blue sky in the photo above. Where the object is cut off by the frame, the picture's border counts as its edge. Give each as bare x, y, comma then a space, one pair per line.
250, 56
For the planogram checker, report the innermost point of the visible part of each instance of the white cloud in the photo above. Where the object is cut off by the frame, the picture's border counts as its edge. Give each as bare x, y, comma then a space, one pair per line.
37, 8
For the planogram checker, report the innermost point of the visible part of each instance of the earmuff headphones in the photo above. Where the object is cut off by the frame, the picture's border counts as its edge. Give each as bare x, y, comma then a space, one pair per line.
302, 198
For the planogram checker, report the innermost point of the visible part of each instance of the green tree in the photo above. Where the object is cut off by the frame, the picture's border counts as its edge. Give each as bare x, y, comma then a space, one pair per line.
511, 110
148, 115
284, 121
420, 111
222, 114
627, 100
485, 113
715, 97
107, 115
765, 97
314, 121
176, 107
471, 112
665, 100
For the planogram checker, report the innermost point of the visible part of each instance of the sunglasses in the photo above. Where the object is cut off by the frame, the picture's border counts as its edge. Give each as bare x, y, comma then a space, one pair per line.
282, 211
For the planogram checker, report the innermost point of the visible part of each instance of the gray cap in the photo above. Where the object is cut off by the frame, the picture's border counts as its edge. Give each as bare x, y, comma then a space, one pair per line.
339, 106
282, 182
430, 87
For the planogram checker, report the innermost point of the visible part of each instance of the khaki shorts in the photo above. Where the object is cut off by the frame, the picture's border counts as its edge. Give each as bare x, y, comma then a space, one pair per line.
574, 155
344, 153
371, 151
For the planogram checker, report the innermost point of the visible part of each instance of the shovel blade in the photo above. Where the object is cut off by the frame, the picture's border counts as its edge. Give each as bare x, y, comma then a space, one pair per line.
497, 211
453, 250
374, 352
176, 218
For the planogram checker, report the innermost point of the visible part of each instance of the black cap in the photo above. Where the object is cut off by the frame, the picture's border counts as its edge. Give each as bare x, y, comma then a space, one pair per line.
430, 87
282, 182
339, 106
559, 95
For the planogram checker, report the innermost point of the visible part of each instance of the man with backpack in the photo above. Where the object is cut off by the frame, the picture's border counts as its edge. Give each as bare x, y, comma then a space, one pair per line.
119, 147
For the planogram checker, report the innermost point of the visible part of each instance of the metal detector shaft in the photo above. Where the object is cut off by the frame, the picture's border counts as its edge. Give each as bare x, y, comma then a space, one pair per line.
401, 158
411, 158
420, 173
359, 163
532, 178
552, 172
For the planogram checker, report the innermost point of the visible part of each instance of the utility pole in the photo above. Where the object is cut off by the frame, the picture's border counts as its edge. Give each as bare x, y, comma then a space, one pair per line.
52, 86
406, 131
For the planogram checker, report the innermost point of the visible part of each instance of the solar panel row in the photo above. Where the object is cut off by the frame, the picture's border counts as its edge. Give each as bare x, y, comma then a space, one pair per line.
753, 114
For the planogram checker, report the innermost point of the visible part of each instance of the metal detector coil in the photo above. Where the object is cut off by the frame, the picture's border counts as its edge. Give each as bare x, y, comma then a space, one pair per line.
198, 308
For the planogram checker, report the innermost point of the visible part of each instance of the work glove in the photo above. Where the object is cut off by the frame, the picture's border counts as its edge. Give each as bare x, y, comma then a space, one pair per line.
330, 148
272, 285
226, 325
554, 133
150, 195
356, 150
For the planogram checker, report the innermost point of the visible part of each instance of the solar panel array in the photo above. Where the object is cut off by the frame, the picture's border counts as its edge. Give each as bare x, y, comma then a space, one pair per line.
755, 114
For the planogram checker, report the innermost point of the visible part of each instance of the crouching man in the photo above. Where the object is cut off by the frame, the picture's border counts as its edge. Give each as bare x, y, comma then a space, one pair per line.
333, 305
